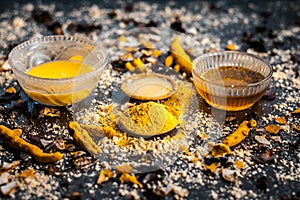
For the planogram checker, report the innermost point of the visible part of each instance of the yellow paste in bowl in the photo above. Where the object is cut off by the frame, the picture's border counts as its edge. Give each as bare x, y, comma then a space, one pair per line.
58, 95
60, 69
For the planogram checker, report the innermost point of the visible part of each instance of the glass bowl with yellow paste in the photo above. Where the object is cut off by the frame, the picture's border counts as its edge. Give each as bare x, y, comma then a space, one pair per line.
58, 70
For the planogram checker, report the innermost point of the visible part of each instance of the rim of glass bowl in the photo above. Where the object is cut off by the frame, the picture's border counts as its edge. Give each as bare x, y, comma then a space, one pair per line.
204, 56
58, 38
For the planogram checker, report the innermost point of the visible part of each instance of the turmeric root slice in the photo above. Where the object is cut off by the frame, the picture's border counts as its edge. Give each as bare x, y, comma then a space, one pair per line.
12, 139
181, 57
83, 138
240, 133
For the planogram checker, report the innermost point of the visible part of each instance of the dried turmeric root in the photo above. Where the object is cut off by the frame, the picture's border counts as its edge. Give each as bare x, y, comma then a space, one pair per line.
181, 57
240, 133
83, 138
12, 139
105, 175
125, 177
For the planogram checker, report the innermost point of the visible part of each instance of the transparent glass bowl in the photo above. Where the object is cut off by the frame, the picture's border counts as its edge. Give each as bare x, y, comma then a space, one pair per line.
57, 91
243, 80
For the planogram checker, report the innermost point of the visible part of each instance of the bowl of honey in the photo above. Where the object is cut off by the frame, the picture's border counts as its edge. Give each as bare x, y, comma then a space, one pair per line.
231, 81
58, 70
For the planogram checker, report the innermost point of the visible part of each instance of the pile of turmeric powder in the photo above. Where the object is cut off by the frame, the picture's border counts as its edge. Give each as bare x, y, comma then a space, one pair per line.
147, 119
154, 118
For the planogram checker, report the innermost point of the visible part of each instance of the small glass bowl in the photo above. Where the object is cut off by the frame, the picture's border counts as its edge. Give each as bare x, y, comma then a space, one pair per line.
231, 81
57, 91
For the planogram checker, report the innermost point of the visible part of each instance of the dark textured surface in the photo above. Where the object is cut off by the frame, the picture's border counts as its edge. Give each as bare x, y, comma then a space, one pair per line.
263, 37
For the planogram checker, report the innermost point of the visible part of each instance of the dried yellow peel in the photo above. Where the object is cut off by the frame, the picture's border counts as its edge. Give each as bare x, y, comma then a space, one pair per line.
181, 57
139, 65
169, 61
11, 90
239, 164
220, 150
213, 167
125, 177
156, 53
177, 67
27, 173
137, 62
273, 128
240, 133
83, 138
297, 111
129, 66
230, 47
105, 175
12, 139
280, 120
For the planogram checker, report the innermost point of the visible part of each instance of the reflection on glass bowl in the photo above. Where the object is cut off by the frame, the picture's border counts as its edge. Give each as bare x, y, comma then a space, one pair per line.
59, 53
231, 81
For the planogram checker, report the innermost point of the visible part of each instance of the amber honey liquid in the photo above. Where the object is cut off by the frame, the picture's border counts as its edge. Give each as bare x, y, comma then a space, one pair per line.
234, 77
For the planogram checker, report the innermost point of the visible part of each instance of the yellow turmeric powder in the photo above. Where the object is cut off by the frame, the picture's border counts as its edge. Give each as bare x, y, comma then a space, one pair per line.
146, 119
13, 139
170, 124
138, 116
